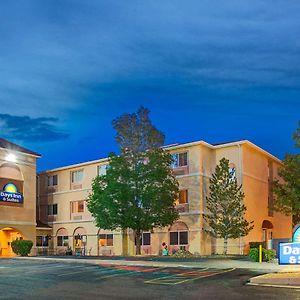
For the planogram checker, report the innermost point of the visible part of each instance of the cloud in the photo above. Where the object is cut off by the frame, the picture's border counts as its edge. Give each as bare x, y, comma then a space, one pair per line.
27, 129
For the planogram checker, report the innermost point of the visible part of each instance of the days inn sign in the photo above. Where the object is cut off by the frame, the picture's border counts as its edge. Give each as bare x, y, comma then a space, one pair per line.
10, 194
289, 253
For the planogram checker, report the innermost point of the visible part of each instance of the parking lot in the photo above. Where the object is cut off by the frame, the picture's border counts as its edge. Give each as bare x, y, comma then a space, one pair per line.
27, 279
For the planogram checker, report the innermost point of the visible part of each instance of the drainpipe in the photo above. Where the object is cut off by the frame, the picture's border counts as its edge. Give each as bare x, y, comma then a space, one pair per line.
241, 182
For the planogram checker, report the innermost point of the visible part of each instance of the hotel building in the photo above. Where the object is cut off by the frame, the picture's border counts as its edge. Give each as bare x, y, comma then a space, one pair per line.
17, 195
62, 195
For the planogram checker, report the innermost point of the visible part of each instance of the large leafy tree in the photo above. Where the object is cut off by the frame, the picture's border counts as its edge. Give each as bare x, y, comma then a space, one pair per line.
139, 189
225, 209
287, 190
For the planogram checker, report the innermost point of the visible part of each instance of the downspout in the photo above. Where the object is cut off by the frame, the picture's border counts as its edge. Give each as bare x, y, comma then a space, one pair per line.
241, 183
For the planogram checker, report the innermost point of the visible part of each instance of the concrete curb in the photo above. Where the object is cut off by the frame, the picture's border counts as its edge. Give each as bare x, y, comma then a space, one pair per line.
281, 279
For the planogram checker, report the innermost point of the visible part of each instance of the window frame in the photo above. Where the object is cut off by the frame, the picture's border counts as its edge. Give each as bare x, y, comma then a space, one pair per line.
186, 197
106, 239
73, 177
51, 181
178, 238
177, 162
143, 239
52, 209
75, 204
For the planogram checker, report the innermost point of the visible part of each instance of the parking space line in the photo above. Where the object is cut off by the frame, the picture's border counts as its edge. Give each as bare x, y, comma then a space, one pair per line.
181, 278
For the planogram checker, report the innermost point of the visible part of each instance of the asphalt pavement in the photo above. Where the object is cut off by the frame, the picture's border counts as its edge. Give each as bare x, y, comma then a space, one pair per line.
76, 279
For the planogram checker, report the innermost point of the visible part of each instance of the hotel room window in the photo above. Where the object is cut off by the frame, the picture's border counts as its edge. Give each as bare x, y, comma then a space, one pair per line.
183, 197
77, 176
179, 238
102, 170
52, 180
106, 240
52, 209
145, 239
180, 160
63, 241
77, 207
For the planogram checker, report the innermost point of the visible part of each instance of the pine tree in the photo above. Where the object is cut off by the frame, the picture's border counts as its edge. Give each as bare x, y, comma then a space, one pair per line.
287, 190
225, 208
139, 188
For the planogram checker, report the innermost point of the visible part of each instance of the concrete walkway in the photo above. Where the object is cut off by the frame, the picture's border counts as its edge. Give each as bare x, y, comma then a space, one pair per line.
278, 275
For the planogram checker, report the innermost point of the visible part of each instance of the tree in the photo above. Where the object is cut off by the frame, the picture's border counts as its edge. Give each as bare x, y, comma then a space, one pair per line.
225, 206
139, 188
287, 190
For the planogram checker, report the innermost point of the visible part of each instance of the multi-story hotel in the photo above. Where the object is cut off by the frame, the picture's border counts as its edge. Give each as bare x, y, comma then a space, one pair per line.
62, 195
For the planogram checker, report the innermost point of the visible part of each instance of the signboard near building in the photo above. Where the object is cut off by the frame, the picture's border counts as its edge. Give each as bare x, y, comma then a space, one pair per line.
289, 253
10, 191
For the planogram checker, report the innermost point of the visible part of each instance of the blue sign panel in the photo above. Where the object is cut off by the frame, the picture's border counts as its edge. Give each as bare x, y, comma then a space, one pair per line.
10, 194
289, 253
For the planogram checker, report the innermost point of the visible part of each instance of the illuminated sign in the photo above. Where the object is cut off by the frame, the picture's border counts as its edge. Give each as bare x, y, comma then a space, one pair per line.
296, 235
289, 253
10, 194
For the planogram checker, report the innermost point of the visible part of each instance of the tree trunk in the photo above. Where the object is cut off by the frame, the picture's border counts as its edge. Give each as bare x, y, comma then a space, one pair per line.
225, 245
138, 242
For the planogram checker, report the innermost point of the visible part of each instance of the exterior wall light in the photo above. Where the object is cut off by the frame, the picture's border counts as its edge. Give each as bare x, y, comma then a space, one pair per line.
11, 157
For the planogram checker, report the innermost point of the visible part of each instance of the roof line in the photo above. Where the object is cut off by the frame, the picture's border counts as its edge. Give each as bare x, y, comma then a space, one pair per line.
174, 147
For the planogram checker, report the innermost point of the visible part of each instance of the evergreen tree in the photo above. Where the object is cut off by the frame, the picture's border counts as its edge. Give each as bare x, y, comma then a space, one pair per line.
139, 188
287, 190
225, 208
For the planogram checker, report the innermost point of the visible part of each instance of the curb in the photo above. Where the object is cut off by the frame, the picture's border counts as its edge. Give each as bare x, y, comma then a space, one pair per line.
275, 285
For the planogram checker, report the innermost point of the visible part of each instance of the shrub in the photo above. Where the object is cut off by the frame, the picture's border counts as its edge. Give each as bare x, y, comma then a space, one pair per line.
254, 254
269, 255
22, 247
182, 254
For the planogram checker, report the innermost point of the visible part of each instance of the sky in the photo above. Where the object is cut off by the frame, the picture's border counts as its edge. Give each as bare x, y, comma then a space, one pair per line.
207, 70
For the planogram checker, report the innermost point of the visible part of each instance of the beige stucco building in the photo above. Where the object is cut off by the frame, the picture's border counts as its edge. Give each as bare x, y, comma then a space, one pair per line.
62, 195
17, 195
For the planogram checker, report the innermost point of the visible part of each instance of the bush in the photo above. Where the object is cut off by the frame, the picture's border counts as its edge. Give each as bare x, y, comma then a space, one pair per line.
183, 254
21, 247
254, 254
267, 255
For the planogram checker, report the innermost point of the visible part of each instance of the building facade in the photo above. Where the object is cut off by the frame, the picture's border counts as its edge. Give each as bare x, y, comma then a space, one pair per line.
62, 195
17, 195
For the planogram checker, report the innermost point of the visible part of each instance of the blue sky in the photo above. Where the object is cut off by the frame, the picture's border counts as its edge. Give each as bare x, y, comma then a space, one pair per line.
211, 70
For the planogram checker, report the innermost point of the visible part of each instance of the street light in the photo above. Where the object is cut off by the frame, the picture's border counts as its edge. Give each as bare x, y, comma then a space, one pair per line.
11, 157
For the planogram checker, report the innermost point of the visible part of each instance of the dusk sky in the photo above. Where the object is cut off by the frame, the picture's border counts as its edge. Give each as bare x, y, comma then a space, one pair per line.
208, 70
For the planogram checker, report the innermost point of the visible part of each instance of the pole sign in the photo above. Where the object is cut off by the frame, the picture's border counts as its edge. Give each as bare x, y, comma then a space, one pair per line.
10, 194
289, 253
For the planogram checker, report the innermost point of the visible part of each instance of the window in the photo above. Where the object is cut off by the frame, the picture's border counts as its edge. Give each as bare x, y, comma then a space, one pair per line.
42, 241
77, 206
183, 197
232, 171
63, 241
179, 238
106, 240
77, 176
52, 180
52, 209
179, 160
102, 170
146, 239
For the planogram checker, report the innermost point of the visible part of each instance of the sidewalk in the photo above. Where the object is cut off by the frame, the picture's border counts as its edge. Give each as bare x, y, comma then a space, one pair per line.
278, 275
